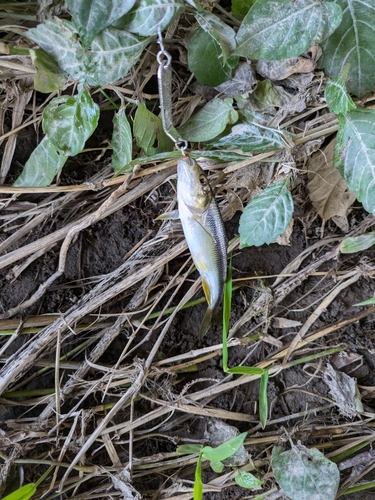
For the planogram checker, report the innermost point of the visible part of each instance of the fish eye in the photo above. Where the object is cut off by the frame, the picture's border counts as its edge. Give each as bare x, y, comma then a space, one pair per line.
203, 180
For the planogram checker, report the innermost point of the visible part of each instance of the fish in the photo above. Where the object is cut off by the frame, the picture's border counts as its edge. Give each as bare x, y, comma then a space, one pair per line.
204, 232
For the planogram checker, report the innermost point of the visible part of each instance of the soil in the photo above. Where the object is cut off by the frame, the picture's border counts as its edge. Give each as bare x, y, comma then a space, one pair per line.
300, 403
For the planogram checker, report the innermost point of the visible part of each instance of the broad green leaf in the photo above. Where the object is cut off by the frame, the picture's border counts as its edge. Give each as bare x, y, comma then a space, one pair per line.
225, 450
44, 163
217, 466
352, 44
206, 62
263, 402
148, 132
223, 34
267, 215
247, 480
249, 137
92, 16
60, 41
147, 17
241, 7
69, 121
189, 448
278, 29
338, 100
305, 473
358, 243
44, 61
355, 154
49, 77
48, 82
23, 493
121, 141
210, 121
113, 53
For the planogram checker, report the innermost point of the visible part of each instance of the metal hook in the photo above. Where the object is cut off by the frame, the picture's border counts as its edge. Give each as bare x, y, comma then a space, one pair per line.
164, 60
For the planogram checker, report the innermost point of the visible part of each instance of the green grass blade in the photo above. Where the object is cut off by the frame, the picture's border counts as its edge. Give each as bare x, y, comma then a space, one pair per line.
198, 485
228, 288
263, 403
224, 450
246, 370
23, 493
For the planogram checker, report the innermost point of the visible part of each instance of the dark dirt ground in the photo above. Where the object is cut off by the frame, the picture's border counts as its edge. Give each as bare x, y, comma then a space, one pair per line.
101, 249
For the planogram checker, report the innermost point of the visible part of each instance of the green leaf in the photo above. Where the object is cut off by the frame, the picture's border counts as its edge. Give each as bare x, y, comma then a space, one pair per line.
225, 450
23, 493
206, 62
245, 370
44, 163
58, 39
223, 34
220, 155
267, 215
69, 121
338, 100
352, 44
278, 29
217, 466
147, 17
358, 243
355, 154
148, 132
247, 480
367, 302
305, 473
113, 52
263, 402
92, 16
189, 448
241, 7
48, 82
49, 76
198, 485
121, 141
210, 121
249, 137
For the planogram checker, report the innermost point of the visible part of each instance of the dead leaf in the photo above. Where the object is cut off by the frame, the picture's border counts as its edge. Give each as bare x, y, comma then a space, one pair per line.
328, 191
284, 239
243, 81
285, 323
278, 70
343, 390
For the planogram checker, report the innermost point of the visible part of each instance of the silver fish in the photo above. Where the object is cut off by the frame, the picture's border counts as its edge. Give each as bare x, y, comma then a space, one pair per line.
204, 232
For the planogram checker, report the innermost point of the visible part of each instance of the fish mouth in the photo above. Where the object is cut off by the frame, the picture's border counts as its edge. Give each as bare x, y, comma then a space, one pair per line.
184, 170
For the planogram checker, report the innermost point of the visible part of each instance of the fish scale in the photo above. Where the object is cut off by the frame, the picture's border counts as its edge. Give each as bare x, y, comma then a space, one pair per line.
204, 232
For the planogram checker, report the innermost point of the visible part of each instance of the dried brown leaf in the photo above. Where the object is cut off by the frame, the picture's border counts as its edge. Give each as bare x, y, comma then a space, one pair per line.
278, 70
328, 191
284, 239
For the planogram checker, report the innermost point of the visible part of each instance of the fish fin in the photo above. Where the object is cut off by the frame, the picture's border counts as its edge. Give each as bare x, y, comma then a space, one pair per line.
197, 216
173, 215
206, 289
205, 325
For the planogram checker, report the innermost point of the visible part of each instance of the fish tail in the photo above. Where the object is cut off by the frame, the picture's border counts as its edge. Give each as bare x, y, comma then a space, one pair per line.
205, 325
